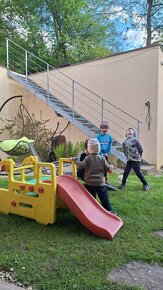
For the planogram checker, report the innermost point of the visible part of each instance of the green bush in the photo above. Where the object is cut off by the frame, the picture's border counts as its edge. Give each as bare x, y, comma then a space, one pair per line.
72, 150
59, 151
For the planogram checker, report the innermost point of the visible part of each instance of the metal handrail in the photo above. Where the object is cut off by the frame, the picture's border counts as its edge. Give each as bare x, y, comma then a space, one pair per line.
77, 91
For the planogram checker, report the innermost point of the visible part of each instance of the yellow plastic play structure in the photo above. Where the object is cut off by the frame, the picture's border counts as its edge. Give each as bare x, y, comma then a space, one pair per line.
36, 198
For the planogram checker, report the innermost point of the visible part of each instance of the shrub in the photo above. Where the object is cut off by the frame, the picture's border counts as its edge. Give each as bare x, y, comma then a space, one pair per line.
59, 151
72, 150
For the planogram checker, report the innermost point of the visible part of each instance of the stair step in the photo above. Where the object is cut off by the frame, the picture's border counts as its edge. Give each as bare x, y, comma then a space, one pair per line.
59, 103
89, 125
81, 120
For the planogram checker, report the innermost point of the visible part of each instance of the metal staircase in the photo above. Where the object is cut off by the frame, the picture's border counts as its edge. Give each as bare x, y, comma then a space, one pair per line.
82, 107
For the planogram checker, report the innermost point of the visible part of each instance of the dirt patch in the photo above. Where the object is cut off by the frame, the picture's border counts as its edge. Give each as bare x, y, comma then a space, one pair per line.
141, 274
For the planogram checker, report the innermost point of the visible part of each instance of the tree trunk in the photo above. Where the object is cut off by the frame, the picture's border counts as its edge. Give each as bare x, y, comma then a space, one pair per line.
149, 17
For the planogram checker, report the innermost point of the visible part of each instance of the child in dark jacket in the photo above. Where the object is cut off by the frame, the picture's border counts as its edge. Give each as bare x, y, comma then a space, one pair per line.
95, 168
81, 157
133, 152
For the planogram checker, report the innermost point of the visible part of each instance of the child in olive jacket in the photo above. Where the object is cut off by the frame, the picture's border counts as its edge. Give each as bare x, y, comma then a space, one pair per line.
95, 168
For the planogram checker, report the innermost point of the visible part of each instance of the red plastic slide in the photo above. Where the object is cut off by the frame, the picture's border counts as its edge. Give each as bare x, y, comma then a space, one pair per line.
91, 214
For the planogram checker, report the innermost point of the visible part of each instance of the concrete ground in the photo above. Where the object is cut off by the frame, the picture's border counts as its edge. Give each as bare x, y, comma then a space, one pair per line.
148, 276
144, 275
7, 286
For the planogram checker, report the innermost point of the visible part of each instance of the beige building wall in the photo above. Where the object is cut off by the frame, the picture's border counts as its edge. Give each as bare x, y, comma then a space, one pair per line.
160, 111
127, 80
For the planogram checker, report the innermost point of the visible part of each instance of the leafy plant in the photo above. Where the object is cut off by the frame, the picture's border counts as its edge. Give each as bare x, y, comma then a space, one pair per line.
59, 151
14, 158
82, 146
33, 129
72, 150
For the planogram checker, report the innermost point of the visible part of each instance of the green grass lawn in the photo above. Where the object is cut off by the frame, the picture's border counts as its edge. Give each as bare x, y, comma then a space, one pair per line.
66, 255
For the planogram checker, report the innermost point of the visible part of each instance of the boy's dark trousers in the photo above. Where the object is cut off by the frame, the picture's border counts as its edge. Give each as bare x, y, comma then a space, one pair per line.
135, 165
102, 194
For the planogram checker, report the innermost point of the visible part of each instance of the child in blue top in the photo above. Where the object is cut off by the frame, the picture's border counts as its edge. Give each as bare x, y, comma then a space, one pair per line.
105, 140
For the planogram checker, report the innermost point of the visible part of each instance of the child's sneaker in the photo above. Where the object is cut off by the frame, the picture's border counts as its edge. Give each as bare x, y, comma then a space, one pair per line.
121, 186
146, 187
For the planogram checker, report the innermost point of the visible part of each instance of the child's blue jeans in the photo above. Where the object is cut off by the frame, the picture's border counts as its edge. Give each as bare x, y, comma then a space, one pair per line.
102, 194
